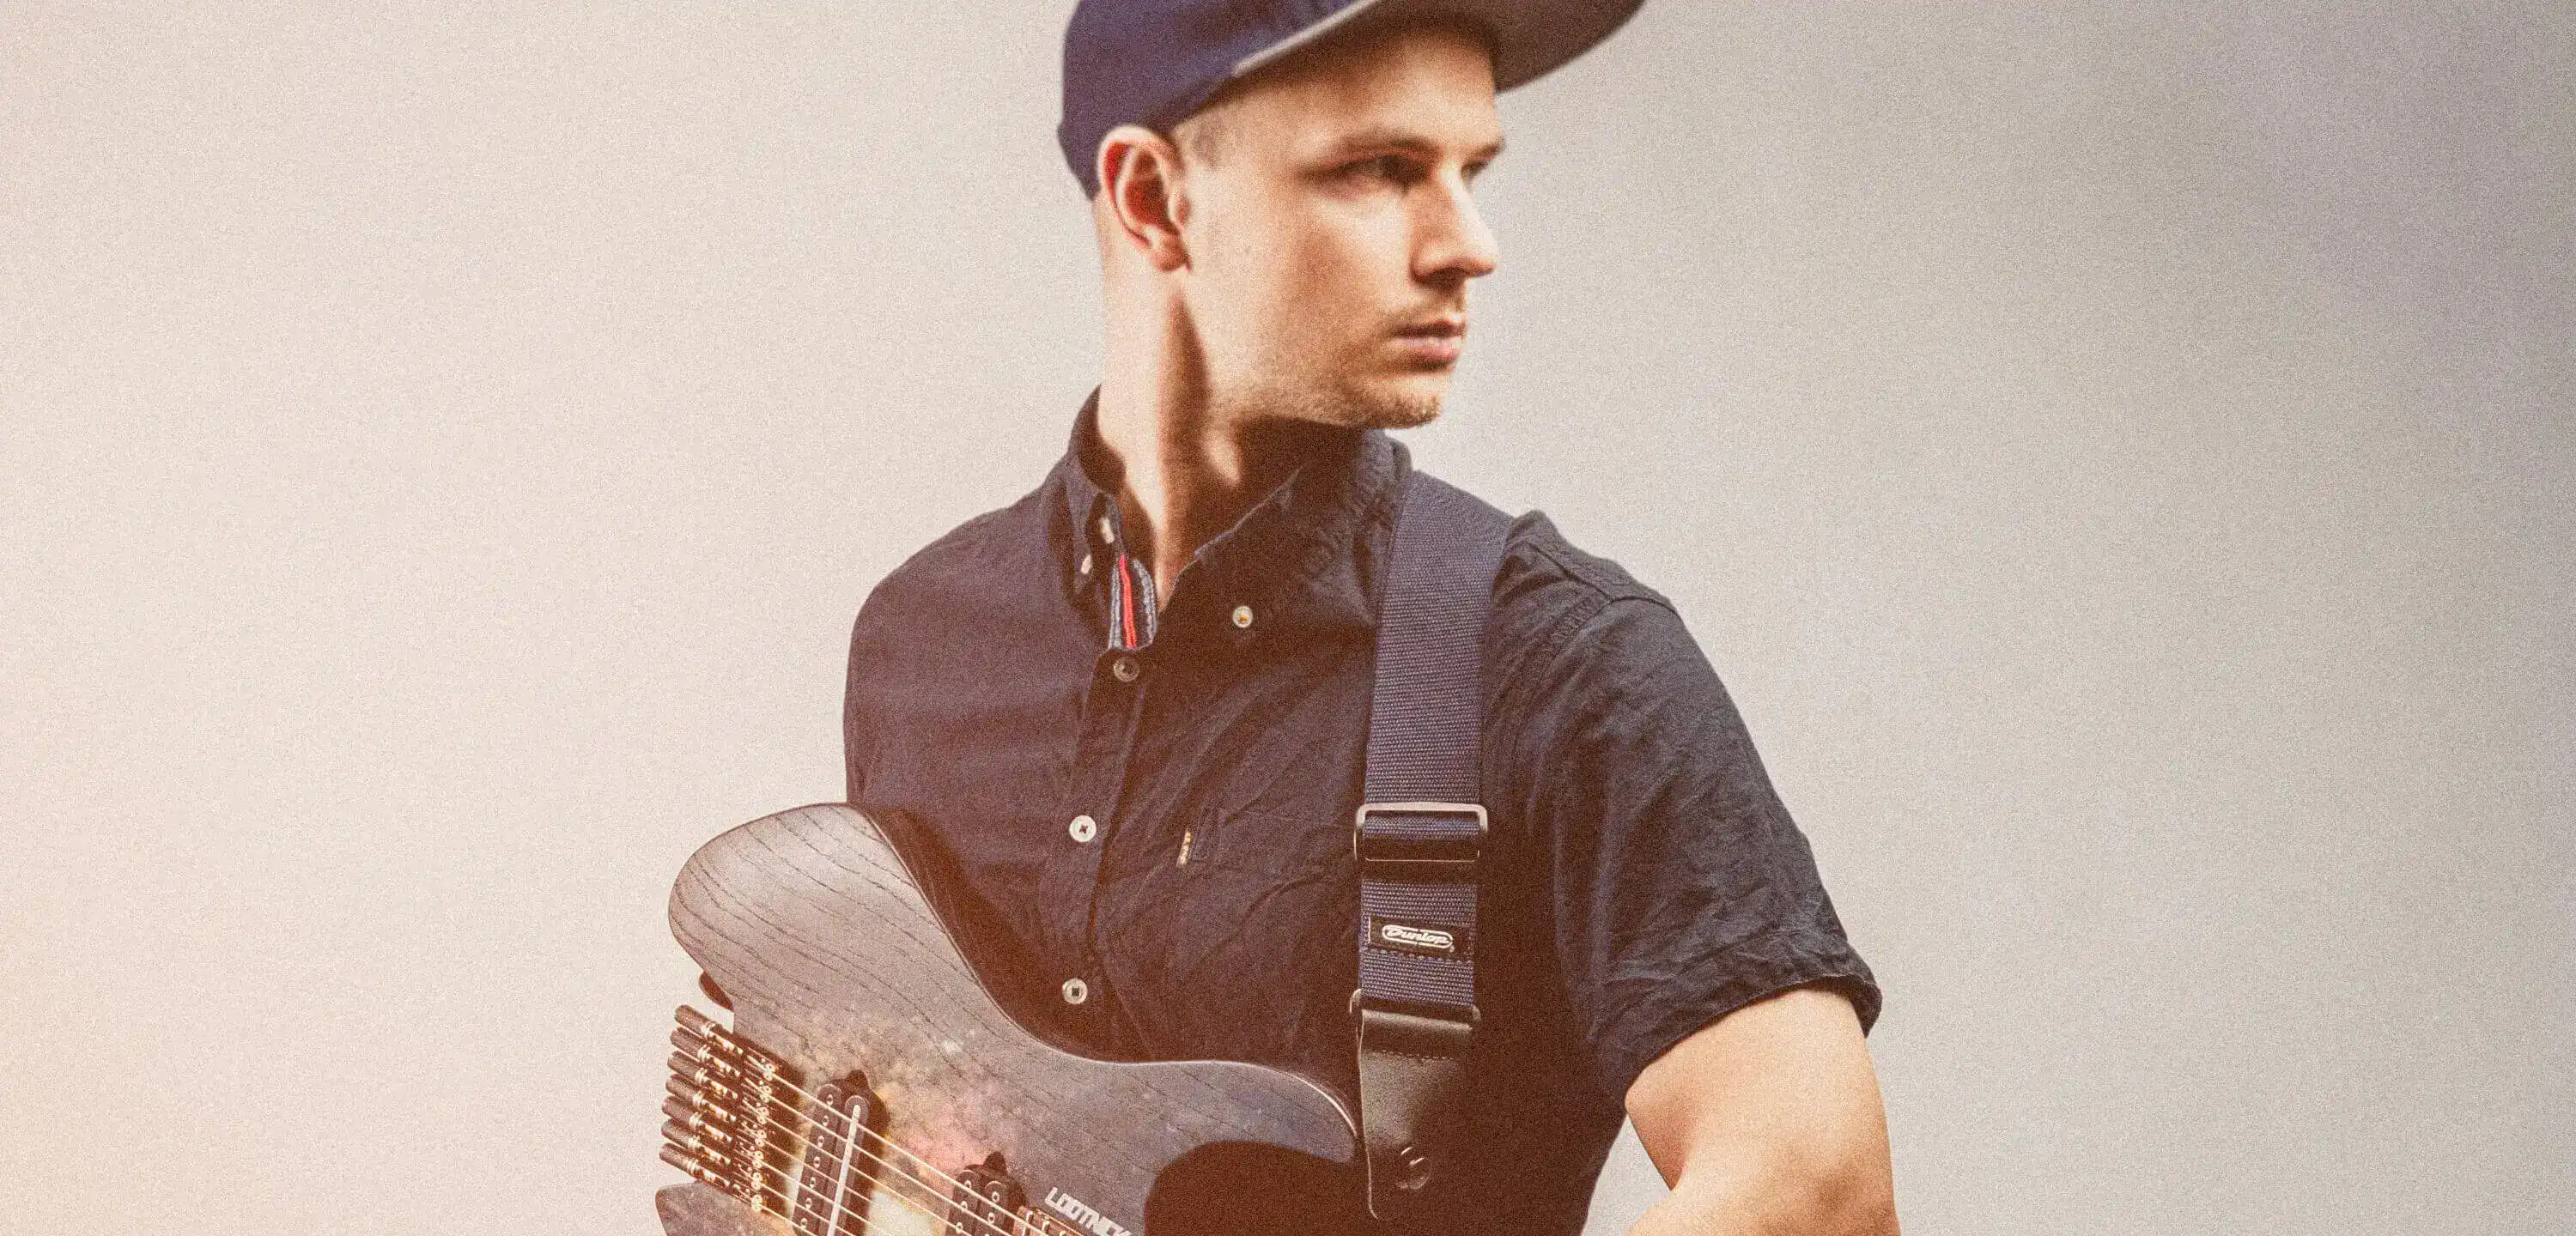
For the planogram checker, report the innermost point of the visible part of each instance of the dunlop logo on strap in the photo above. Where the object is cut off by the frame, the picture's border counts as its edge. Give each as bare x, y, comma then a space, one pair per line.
1405, 937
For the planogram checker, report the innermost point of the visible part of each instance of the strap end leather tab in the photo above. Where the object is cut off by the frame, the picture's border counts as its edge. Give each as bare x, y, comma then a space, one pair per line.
1413, 1069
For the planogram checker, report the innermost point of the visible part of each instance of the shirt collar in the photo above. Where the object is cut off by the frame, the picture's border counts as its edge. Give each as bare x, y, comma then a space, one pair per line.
1309, 554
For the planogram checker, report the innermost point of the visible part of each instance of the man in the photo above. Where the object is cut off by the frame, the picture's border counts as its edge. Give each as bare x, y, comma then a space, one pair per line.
1133, 705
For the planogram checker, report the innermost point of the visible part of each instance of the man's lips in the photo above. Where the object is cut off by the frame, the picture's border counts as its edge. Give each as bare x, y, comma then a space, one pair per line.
1436, 342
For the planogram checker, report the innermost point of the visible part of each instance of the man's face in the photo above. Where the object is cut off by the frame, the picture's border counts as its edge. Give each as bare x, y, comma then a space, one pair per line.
1330, 233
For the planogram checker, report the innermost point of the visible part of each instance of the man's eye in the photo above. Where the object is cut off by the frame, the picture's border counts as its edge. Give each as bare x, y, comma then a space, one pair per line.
1383, 167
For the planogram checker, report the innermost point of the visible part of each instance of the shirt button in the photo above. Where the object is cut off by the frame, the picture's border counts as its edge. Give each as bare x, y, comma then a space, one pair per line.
1243, 615
1108, 535
1084, 568
1083, 828
1125, 669
1076, 991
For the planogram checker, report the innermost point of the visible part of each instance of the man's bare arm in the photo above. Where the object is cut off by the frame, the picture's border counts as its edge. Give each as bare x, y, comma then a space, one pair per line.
1768, 1120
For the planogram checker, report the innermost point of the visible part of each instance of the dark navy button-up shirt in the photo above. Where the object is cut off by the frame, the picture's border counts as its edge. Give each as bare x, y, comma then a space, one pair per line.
1150, 801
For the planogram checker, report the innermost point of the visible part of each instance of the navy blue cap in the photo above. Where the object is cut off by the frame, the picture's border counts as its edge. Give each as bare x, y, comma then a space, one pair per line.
1153, 62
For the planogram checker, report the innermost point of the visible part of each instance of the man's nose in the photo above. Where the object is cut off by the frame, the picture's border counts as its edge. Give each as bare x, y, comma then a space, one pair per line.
1455, 245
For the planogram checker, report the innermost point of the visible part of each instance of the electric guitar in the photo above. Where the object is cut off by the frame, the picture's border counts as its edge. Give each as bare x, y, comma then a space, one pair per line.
874, 1082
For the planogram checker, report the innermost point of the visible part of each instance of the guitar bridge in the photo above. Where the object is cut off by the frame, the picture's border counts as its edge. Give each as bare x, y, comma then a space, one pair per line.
740, 1121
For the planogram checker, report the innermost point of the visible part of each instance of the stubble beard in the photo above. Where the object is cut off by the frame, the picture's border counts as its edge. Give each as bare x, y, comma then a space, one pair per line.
1398, 409
1340, 401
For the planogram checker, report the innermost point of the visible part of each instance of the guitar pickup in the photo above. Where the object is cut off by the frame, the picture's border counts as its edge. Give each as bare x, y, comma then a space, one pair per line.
985, 1198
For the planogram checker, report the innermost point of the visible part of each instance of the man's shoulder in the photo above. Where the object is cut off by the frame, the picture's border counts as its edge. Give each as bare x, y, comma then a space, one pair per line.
1564, 614
1537, 557
1548, 587
988, 556
1543, 571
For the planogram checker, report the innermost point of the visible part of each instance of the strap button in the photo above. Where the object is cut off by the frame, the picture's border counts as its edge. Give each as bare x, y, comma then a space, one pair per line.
1083, 828
1125, 669
1243, 615
1076, 991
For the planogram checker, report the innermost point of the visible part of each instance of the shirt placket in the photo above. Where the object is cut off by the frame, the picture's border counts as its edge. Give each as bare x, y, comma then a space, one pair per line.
1111, 712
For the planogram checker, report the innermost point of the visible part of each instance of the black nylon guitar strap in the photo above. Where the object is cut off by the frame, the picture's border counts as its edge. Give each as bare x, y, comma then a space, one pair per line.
1418, 837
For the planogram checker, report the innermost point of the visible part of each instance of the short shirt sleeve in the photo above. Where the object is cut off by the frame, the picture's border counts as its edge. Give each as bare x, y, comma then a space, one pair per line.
1681, 890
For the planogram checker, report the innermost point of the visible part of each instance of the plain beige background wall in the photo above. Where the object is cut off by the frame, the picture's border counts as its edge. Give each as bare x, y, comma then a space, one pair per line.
2119, 455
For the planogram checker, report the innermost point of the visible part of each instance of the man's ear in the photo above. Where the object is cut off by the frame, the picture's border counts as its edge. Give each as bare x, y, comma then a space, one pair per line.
1140, 177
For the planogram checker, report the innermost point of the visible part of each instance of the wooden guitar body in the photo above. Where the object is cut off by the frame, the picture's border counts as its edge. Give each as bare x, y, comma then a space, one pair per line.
871, 1076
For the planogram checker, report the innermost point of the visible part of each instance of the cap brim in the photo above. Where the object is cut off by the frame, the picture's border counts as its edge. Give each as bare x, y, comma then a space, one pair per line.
1530, 37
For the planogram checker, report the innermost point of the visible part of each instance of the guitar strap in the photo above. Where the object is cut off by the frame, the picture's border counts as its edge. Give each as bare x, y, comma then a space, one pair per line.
1417, 840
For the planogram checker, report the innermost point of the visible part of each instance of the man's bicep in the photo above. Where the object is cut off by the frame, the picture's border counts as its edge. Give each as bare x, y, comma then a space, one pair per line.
1774, 1102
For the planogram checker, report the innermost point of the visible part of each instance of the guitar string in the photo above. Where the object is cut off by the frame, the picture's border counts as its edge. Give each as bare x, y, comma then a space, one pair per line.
848, 1144
826, 1143
767, 1207
781, 1082
785, 1197
932, 1209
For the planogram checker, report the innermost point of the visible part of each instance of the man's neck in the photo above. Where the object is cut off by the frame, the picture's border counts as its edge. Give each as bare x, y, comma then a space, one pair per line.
1184, 474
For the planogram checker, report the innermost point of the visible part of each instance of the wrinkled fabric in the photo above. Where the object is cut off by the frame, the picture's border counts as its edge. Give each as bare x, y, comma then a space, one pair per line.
1641, 878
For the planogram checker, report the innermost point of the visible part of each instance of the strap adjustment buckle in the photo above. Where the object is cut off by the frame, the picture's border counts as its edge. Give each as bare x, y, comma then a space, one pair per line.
1418, 841
1464, 1018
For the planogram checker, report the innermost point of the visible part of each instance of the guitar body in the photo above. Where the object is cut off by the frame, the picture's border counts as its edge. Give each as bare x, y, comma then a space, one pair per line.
871, 1076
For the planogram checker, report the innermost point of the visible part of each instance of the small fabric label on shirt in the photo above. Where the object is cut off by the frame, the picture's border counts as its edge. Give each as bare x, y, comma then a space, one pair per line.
1407, 937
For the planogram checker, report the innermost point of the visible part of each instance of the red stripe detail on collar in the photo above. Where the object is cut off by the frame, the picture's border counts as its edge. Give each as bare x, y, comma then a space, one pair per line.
1126, 604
